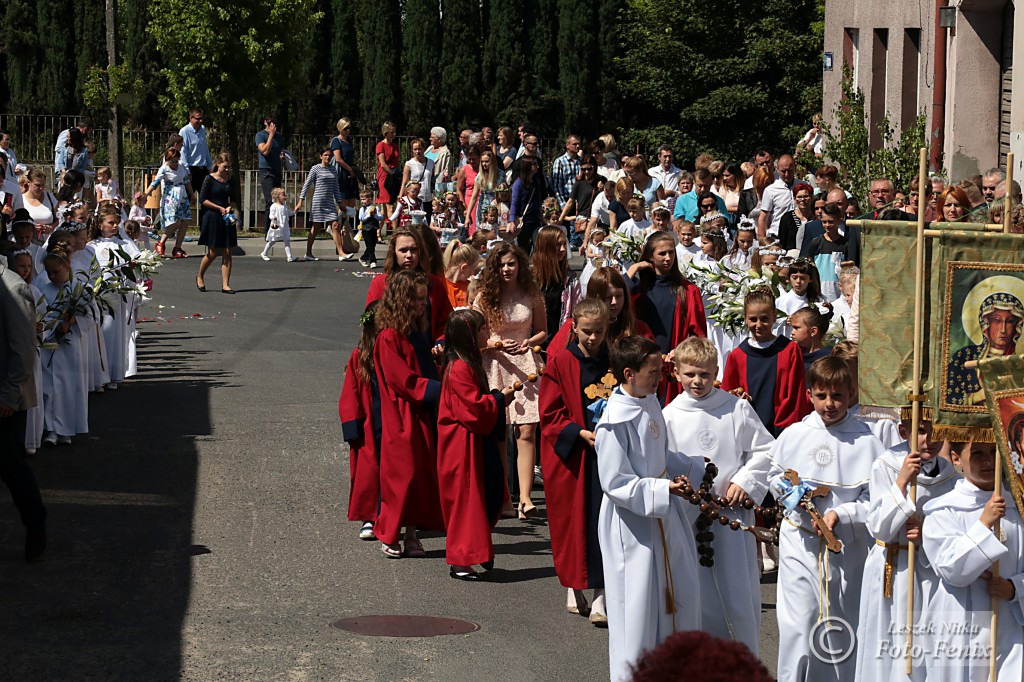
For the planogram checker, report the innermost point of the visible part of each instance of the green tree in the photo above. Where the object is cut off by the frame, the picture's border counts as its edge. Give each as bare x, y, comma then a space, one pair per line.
54, 71
421, 39
90, 46
381, 47
609, 46
142, 61
346, 75
460, 63
541, 104
21, 49
504, 61
578, 66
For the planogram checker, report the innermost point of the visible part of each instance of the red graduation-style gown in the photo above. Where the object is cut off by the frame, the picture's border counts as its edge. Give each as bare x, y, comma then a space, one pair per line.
563, 457
408, 448
687, 320
355, 409
779, 366
437, 293
561, 338
470, 423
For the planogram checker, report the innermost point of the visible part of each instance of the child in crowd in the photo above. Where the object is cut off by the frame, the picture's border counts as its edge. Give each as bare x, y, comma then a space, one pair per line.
963, 547
558, 283
452, 221
106, 186
410, 201
688, 247
647, 547
638, 225
830, 250
360, 414
804, 287
23, 263
743, 255
886, 429
108, 245
894, 521
409, 390
491, 220
833, 449
770, 254
371, 222
280, 225
134, 232
64, 387
86, 267
595, 254
766, 368
847, 284
470, 426
713, 247
461, 263
138, 211
707, 421
570, 393
22, 228
808, 327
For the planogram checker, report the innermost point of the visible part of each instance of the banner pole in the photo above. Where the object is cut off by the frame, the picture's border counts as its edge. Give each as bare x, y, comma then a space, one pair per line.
915, 405
997, 489
1008, 199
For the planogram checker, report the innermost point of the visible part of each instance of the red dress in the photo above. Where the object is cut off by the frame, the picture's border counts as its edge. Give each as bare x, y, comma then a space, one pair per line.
357, 412
470, 423
774, 378
439, 307
408, 465
687, 320
571, 486
470, 175
561, 338
391, 157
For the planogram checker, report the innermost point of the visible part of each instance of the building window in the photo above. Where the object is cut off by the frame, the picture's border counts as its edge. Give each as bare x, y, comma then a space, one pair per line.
910, 106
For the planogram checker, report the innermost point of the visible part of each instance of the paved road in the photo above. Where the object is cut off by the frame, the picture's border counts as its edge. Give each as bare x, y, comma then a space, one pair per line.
198, 532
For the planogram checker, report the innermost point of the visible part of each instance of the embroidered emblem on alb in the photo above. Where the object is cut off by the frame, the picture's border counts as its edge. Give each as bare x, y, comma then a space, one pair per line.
654, 429
823, 455
707, 440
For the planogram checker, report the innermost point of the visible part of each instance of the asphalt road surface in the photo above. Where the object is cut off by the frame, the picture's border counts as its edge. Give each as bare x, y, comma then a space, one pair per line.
199, 530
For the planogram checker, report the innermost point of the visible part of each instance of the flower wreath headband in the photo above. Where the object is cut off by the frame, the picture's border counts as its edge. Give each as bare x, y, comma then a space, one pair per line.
71, 207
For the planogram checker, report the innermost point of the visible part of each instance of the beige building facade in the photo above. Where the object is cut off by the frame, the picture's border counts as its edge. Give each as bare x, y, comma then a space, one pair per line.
960, 74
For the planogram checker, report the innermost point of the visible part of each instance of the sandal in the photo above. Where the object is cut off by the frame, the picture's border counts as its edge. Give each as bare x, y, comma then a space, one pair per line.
414, 549
179, 253
366, 532
391, 551
159, 248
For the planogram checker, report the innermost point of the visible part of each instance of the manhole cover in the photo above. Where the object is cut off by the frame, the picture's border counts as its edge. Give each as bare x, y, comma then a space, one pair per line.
405, 626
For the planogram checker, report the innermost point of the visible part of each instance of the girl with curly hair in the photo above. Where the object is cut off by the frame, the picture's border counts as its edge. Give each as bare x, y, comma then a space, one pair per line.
409, 389
514, 310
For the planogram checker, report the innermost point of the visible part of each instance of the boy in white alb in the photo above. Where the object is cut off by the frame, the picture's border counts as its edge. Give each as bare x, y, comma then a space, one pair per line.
834, 449
894, 522
647, 545
960, 542
709, 422
280, 221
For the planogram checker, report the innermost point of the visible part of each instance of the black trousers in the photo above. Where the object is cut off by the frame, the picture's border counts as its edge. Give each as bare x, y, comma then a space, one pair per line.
16, 473
370, 242
268, 181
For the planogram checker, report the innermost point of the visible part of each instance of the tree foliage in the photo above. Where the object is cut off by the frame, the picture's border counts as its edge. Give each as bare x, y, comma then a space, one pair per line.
460, 65
578, 66
380, 24
422, 45
504, 60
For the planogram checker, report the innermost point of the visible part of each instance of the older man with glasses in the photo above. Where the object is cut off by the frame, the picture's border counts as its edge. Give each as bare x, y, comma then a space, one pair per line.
777, 198
989, 182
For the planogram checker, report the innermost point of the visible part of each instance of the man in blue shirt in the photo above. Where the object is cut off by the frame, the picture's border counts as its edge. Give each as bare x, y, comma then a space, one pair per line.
195, 152
686, 205
270, 144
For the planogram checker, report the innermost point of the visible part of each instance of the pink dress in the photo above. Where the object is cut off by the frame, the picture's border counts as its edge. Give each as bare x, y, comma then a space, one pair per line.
503, 369
470, 175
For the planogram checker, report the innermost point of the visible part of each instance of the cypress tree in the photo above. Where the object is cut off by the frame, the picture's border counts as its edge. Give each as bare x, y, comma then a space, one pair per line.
309, 109
142, 61
90, 44
346, 75
542, 104
609, 44
380, 23
460, 65
578, 65
504, 62
21, 49
55, 73
421, 38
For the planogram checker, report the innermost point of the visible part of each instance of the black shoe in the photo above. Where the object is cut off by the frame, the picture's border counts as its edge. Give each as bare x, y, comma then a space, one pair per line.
488, 565
470, 575
35, 543
227, 291
201, 287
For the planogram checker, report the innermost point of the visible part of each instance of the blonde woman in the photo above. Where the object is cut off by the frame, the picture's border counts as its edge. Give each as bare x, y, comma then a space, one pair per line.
484, 187
388, 162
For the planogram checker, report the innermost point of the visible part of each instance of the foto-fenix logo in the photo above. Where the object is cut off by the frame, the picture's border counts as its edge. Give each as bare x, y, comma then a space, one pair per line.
832, 640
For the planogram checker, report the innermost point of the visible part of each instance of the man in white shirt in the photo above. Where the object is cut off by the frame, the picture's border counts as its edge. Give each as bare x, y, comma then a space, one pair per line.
762, 159
777, 198
666, 172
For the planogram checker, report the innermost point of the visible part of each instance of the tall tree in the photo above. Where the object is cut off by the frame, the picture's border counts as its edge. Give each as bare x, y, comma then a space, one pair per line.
142, 61
90, 45
504, 62
460, 65
308, 109
421, 39
578, 66
609, 46
543, 103
54, 74
381, 40
21, 49
346, 74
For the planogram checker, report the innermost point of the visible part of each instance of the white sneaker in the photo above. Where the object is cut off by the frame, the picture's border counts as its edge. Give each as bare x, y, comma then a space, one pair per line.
264, 256
112, 386
768, 565
50, 439
349, 256
290, 260
374, 265
30, 451
366, 532
63, 440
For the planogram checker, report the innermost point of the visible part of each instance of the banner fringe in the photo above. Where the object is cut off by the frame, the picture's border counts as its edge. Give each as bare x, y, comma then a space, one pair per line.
963, 434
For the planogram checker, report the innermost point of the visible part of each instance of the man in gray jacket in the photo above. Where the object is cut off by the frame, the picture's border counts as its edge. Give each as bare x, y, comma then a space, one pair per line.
17, 394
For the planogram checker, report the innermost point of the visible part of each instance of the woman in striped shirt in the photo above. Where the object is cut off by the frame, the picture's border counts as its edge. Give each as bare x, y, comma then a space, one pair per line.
323, 178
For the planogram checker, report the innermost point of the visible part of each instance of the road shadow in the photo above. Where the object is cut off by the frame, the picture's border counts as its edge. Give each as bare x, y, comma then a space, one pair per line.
109, 599
274, 289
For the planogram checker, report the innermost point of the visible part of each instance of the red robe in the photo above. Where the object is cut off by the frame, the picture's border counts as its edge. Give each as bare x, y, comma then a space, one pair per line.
470, 423
408, 463
355, 409
563, 459
687, 320
437, 292
561, 337
784, 362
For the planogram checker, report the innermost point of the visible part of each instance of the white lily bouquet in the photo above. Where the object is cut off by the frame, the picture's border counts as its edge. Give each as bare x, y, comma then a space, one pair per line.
623, 250
725, 288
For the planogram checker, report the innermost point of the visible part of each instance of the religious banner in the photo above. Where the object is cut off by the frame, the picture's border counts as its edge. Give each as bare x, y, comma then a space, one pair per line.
981, 317
1002, 379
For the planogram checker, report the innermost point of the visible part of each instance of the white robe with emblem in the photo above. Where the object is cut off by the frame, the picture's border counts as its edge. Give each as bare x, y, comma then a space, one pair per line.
726, 430
814, 583
647, 545
960, 548
883, 622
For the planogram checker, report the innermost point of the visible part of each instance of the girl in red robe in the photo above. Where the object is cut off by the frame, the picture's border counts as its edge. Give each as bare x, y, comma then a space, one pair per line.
608, 285
470, 425
667, 302
359, 411
407, 251
571, 486
409, 389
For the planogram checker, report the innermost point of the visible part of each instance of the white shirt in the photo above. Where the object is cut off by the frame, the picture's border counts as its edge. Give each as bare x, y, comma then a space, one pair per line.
599, 209
423, 174
669, 179
814, 141
777, 199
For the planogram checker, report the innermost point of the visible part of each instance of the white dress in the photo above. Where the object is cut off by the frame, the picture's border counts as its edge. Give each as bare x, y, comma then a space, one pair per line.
85, 269
960, 549
883, 621
642, 530
116, 328
34, 419
788, 303
814, 583
726, 429
64, 393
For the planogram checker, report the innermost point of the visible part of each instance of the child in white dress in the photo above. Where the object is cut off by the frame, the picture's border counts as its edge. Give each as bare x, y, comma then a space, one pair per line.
280, 225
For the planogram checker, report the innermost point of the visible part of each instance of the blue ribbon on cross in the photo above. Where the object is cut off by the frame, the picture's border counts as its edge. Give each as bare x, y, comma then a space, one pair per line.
792, 494
597, 408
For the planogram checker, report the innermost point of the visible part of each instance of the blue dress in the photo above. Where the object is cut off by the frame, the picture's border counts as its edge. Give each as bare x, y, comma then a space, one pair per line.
348, 186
